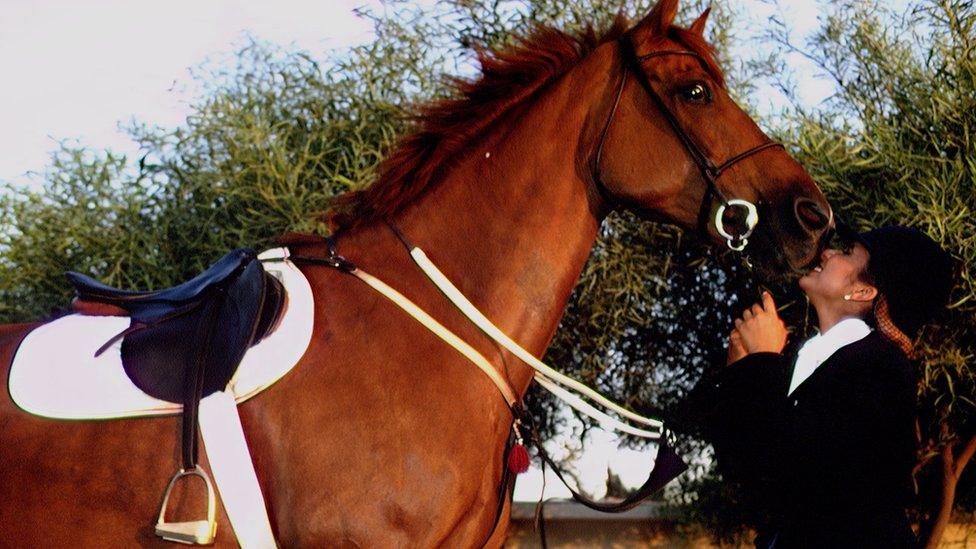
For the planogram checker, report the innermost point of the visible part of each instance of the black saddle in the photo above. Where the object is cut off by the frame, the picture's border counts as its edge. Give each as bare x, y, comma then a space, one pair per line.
185, 343
148, 305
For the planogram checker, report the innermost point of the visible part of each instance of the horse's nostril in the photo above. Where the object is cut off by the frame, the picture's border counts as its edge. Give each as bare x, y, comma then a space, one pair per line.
810, 215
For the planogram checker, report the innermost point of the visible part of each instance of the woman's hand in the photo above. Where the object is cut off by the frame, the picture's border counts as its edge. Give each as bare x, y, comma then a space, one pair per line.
760, 329
736, 350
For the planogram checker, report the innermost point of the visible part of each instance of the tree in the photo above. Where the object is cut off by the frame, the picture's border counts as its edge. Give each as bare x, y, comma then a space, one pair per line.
267, 144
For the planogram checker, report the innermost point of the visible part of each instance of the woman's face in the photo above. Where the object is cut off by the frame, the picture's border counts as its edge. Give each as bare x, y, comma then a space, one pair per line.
838, 273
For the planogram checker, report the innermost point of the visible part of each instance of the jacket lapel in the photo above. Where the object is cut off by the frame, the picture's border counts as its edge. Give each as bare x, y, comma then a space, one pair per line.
829, 370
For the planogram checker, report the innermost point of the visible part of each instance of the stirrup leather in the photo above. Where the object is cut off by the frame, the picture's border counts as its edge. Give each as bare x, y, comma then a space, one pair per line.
193, 532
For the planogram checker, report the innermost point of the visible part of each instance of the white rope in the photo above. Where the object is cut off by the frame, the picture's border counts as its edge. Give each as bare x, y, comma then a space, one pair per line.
472, 312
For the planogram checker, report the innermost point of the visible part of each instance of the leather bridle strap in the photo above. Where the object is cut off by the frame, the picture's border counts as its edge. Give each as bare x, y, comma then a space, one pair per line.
667, 466
710, 171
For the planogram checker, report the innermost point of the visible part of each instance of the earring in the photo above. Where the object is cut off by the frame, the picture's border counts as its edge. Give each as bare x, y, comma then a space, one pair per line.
847, 297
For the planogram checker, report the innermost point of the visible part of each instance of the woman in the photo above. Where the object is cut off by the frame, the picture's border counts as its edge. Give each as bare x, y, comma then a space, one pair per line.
826, 439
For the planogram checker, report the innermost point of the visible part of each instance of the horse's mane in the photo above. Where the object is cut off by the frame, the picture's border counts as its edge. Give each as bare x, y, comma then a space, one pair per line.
508, 78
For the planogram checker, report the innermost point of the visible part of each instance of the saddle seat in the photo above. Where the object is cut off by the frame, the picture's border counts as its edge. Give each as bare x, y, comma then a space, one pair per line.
144, 305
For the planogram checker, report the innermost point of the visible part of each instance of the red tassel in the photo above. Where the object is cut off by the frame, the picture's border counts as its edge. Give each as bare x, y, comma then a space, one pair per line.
518, 459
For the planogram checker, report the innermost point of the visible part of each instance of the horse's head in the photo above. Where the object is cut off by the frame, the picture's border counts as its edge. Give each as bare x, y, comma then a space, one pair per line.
676, 147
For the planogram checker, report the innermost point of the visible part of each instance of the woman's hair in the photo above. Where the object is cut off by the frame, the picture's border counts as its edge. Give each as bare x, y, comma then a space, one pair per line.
880, 318
887, 327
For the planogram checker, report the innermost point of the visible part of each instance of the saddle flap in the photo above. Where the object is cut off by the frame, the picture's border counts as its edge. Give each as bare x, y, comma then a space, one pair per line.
209, 341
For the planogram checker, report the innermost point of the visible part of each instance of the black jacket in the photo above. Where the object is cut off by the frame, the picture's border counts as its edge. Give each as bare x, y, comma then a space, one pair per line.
832, 461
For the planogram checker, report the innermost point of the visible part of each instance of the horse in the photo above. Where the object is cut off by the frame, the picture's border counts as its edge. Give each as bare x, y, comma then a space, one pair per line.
383, 435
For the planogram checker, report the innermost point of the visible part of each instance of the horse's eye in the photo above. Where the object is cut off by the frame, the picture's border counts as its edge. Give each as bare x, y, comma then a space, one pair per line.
696, 92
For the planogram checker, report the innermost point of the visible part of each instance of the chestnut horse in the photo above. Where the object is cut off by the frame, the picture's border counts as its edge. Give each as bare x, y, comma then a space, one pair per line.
383, 436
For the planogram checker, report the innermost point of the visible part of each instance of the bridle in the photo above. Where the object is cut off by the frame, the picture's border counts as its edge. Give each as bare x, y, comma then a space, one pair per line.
737, 209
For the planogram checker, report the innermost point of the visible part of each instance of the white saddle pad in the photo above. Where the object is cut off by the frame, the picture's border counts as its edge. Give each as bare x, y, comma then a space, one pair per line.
56, 374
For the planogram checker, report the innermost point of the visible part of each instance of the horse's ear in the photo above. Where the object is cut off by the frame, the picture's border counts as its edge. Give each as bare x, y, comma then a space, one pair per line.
698, 27
658, 21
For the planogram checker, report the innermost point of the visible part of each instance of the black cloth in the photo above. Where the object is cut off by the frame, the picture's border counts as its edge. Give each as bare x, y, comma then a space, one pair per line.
831, 463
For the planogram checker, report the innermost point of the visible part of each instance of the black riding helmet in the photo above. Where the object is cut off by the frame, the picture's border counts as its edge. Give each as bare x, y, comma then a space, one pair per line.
910, 269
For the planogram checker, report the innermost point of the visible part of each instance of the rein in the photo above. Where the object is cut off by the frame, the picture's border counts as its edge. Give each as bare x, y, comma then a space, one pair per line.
710, 171
558, 384
667, 464
342, 264
562, 386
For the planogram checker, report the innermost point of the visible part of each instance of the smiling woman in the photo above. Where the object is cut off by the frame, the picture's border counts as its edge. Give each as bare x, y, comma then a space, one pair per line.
827, 441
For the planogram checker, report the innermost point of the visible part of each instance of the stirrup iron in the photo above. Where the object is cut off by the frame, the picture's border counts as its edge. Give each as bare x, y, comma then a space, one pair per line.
193, 532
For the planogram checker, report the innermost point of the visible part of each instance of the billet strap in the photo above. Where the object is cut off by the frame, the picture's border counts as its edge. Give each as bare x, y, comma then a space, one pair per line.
544, 371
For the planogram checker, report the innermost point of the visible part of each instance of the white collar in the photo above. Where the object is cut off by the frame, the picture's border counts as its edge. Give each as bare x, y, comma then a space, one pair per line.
816, 350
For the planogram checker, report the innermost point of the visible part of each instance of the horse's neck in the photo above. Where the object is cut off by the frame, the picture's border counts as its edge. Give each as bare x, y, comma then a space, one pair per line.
513, 222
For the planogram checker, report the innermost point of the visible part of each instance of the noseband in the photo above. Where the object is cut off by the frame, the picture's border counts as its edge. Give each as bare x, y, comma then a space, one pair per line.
743, 211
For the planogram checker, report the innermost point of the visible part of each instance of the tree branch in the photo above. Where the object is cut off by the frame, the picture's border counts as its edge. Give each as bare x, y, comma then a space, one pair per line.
964, 456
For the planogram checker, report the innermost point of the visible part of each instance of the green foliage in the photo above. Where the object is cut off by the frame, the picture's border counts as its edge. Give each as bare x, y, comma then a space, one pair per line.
93, 216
